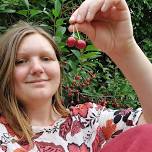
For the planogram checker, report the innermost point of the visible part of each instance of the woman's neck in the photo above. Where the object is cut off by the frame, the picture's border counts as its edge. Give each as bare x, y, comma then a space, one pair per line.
42, 115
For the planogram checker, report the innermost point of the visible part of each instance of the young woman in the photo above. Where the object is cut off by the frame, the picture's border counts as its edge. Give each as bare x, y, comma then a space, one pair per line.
32, 116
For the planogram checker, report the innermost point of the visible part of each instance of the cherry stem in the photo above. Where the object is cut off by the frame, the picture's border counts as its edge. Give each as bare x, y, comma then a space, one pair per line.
77, 31
73, 34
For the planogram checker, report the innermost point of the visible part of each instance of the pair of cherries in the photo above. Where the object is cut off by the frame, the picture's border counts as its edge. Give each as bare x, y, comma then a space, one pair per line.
74, 41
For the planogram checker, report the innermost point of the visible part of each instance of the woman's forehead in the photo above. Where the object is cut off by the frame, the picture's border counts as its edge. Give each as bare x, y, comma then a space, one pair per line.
35, 42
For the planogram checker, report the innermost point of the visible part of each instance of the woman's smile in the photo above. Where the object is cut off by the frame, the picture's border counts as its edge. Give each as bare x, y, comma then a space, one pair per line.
38, 83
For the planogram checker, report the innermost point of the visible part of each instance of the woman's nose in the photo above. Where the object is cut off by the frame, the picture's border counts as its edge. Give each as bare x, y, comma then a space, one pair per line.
36, 67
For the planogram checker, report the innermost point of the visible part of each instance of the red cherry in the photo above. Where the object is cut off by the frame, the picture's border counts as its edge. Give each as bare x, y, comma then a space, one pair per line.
77, 77
80, 44
71, 41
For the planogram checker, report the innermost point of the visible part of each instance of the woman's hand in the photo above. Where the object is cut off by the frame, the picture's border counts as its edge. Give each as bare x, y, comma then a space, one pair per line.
106, 22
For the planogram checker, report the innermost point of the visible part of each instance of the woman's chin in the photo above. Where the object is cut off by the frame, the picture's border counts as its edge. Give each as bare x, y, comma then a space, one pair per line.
40, 96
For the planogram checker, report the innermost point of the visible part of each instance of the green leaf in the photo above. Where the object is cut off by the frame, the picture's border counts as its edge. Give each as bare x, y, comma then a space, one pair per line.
8, 11
3, 28
3, 6
48, 14
60, 31
57, 39
27, 4
132, 96
89, 64
76, 53
91, 48
23, 12
34, 12
57, 8
59, 22
45, 26
63, 1
72, 65
54, 13
91, 55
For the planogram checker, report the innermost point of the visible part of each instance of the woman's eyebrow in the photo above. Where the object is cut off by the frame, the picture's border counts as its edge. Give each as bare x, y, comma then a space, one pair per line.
44, 52
21, 54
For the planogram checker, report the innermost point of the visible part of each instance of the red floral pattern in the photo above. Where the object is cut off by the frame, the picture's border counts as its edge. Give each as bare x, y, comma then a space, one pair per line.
4, 148
65, 127
20, 150
76, 127
87, 129
109, 129
82, 109
49, 147
98, 141
76, 148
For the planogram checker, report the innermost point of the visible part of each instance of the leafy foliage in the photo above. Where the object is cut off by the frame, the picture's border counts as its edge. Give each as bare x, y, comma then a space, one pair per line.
88, 75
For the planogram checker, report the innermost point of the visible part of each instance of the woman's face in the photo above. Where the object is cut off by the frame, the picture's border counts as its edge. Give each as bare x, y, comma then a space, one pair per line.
37, 70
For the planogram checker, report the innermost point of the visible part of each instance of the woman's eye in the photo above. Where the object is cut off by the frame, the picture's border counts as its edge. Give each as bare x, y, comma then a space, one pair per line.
17, 62
46, 58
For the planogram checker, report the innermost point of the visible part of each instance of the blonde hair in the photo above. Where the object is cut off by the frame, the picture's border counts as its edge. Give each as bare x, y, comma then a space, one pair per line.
13, 111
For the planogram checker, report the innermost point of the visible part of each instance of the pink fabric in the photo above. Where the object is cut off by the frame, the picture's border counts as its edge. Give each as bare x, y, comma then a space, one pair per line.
137, 139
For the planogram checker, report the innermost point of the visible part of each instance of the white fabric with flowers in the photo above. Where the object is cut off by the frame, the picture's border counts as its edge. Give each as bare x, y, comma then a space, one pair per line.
88, 128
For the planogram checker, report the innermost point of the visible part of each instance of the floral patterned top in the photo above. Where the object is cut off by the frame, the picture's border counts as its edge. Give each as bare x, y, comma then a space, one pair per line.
87, 129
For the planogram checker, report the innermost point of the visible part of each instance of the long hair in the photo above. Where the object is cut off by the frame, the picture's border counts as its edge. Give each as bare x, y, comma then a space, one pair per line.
12, 110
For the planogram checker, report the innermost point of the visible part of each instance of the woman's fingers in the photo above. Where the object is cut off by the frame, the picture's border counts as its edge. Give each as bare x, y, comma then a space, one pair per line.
86, 11
107, 5
89, 8
93, 8
73, 17
118, 4
79, 14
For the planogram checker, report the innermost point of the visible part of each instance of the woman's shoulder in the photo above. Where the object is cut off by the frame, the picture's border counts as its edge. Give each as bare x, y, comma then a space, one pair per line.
5, 128
86, 109
3, 120
3, 124
102, 114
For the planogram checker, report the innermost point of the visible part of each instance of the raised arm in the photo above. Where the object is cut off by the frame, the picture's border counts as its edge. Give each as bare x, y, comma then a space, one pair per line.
108, 24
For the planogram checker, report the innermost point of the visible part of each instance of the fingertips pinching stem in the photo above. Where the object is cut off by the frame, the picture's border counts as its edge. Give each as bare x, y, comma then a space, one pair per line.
75, 40
72, 19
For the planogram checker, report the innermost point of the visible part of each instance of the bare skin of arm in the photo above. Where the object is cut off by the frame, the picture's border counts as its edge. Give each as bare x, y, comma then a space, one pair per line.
141, 120
108, 25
